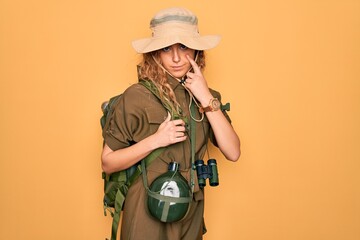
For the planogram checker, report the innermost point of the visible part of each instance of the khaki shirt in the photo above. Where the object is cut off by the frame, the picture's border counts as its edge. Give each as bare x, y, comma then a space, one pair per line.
138, 115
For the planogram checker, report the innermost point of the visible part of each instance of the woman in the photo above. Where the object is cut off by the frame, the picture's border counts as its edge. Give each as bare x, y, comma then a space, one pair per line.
173, 59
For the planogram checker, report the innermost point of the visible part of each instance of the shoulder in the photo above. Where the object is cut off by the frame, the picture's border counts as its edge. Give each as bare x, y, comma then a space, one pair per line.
137, 98
129, 98
136, 90
136, 94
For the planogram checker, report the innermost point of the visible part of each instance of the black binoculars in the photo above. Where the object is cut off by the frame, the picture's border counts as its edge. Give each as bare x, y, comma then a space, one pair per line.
209, 171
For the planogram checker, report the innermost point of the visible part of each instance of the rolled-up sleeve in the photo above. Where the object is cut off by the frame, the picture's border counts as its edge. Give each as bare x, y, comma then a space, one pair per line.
131, 120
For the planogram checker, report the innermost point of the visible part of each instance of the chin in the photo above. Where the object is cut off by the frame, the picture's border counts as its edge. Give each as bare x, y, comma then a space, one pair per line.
178, 74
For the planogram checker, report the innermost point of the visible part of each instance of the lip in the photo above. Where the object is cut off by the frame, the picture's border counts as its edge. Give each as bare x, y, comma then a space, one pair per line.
177, 68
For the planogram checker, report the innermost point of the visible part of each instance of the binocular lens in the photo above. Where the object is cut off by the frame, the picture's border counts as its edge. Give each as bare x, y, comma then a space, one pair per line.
207, 171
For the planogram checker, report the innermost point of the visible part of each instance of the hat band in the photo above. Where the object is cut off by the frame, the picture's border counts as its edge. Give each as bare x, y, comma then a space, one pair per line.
188, 19
175, 29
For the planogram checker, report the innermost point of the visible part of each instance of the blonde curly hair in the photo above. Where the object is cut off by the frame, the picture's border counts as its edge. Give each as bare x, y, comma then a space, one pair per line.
149, 69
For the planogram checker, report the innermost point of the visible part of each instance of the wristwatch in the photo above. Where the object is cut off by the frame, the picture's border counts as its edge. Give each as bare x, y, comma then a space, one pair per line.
214, 105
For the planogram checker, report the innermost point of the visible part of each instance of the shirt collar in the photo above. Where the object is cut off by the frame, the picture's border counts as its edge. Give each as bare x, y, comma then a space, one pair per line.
174, 83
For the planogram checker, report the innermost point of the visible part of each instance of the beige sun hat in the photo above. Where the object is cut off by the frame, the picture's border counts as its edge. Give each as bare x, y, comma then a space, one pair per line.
175, 25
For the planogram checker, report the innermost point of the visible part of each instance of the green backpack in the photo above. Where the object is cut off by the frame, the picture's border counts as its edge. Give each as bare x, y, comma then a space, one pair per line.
116, 185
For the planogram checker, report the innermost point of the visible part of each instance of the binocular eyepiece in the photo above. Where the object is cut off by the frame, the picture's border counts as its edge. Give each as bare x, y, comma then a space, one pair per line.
209, 171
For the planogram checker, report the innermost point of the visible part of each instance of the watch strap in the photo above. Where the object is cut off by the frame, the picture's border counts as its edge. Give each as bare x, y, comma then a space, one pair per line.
210, 107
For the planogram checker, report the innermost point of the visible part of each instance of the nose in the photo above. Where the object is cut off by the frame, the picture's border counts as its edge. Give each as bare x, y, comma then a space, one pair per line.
176, 55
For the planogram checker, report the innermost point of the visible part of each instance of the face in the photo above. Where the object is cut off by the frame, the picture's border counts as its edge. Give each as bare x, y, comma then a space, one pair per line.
173, 59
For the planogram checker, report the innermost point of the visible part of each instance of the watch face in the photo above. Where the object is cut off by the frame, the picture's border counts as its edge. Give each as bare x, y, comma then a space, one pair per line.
215, 104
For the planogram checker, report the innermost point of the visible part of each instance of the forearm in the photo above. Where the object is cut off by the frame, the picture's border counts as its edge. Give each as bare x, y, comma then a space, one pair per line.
113, 161
169, 132
226, 138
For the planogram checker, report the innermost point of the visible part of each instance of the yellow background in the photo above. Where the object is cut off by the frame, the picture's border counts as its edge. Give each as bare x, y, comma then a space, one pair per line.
291, 70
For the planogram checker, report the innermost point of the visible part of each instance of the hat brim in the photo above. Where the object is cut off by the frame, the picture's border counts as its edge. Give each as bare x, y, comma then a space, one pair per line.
146, 45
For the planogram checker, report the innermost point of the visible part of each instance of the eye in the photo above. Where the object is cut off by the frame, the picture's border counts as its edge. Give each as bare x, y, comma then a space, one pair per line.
166, 49
183, 47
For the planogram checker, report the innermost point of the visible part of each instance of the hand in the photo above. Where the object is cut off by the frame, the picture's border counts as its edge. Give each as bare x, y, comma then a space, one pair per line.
197, 84
170, 132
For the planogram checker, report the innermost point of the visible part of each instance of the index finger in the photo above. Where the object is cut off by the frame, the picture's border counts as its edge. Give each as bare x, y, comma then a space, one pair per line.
194, 65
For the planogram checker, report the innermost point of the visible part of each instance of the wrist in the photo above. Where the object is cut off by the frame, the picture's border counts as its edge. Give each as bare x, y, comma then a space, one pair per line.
204, 102
213, 105
152, 143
